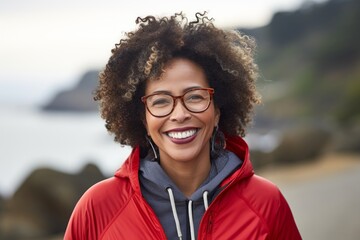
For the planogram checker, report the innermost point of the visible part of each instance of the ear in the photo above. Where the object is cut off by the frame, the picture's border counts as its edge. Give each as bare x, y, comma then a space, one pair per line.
217, 116
143, 120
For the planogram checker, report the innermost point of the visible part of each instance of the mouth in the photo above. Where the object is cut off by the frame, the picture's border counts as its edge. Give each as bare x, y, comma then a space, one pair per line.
179, 135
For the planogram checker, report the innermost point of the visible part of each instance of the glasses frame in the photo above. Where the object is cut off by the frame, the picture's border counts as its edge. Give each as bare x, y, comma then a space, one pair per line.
211, 92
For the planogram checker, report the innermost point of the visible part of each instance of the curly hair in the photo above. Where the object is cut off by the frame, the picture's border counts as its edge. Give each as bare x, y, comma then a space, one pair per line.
226, 56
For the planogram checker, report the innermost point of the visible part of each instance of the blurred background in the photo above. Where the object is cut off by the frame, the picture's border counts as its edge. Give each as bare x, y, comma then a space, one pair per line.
305, 136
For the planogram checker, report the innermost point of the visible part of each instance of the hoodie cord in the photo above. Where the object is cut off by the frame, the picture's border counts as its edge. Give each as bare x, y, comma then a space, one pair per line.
191, 220
205, 198
173, 208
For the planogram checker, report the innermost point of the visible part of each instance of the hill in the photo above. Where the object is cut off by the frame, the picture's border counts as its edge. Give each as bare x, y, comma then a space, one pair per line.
79, 98
310, 63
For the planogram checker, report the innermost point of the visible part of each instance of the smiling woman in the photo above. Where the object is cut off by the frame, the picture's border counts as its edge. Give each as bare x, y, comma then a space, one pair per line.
183, 135
181, 94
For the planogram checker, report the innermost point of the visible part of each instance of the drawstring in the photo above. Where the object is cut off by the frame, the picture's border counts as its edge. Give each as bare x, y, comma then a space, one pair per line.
205, 198
190, 210
173, 208
191, 221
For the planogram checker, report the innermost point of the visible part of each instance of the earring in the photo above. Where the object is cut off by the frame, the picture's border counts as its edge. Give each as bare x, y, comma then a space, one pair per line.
217, 142
152, 147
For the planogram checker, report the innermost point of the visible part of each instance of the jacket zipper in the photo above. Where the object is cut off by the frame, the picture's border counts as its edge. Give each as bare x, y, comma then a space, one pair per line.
210, 221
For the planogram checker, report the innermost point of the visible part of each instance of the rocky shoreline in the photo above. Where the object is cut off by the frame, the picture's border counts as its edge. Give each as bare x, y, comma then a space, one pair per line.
42, 205
40, 208
77, 99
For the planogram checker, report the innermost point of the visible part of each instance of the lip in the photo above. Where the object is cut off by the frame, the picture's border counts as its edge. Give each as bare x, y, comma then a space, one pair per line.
183, 140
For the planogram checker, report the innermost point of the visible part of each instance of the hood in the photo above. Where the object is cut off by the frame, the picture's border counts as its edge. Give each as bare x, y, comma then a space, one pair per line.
174, 210
235, 144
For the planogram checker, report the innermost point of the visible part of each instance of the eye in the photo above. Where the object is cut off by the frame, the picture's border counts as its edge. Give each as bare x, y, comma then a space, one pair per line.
159, 101
194, 97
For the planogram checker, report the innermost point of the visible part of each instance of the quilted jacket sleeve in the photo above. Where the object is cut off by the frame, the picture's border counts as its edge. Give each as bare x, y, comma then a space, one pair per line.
284, 226
79, 226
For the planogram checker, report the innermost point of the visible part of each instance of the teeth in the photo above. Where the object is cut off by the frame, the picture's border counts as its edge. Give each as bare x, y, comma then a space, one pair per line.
181, 135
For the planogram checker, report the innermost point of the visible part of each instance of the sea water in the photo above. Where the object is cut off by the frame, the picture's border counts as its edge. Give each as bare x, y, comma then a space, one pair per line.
66, 141
31, 138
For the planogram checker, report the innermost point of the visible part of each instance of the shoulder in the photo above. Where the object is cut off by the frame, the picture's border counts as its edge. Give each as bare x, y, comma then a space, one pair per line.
108, 190
260, 194
259, 187
97, 207
106, 196
266, 200
258, 197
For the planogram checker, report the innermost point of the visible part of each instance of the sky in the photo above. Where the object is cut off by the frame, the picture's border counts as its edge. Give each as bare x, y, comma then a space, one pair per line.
46, 45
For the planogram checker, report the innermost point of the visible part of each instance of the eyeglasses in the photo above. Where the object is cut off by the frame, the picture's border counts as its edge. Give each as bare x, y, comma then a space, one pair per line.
195, 100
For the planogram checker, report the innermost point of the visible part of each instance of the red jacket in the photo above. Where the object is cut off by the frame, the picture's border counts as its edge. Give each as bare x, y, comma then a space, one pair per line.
249, 207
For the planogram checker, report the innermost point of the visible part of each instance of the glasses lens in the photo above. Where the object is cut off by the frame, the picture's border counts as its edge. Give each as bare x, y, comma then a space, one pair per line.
197, 100
159, 104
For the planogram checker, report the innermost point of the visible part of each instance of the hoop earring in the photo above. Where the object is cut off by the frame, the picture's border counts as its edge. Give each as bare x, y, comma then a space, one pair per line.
152, 147
217, 142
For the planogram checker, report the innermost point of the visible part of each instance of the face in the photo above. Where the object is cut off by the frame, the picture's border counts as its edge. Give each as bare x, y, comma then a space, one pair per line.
181, 136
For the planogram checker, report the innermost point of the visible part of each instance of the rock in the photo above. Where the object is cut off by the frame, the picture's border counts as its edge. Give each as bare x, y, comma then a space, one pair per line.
80, 98
347, 139
261, 159
2, 202
42, 205
300, 144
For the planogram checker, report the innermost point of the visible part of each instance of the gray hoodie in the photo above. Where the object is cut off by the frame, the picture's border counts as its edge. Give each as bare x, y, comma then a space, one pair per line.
180, 216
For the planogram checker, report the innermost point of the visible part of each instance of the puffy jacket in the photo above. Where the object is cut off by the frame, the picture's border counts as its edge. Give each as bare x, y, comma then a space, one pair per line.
248, 207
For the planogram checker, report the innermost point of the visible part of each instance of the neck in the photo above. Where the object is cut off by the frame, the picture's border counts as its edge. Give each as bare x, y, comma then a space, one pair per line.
188, 175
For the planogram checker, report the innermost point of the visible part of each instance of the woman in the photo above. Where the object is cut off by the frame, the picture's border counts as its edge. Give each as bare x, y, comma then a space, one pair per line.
181, 94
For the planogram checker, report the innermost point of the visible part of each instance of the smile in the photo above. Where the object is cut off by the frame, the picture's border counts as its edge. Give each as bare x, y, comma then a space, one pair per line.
182, 135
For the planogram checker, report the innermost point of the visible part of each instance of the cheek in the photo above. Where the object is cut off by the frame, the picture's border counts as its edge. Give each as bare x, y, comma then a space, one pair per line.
152, 124
212, 117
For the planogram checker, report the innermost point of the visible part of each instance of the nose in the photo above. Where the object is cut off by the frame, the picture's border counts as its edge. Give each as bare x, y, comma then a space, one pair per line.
180, 113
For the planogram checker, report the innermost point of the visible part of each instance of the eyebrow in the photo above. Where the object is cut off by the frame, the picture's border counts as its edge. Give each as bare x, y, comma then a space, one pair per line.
168, 92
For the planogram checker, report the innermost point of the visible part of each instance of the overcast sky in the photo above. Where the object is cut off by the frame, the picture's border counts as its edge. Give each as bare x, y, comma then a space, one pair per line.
47, 44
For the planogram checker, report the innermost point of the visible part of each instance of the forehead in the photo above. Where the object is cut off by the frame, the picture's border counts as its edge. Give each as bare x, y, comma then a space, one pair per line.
178, 74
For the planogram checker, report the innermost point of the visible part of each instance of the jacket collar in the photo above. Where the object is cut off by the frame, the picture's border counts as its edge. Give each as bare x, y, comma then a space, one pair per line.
235, 144
238, 146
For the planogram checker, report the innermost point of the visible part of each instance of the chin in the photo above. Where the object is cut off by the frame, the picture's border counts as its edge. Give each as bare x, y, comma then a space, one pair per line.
184, 155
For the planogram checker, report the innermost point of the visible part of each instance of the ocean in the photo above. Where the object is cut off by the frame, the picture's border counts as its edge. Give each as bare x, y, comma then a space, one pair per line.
31, 138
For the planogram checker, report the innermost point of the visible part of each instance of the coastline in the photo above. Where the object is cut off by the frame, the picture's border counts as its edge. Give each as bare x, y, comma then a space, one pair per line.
325, 165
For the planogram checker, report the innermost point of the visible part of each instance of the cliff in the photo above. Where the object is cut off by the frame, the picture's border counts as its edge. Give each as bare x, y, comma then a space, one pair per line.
79, 98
